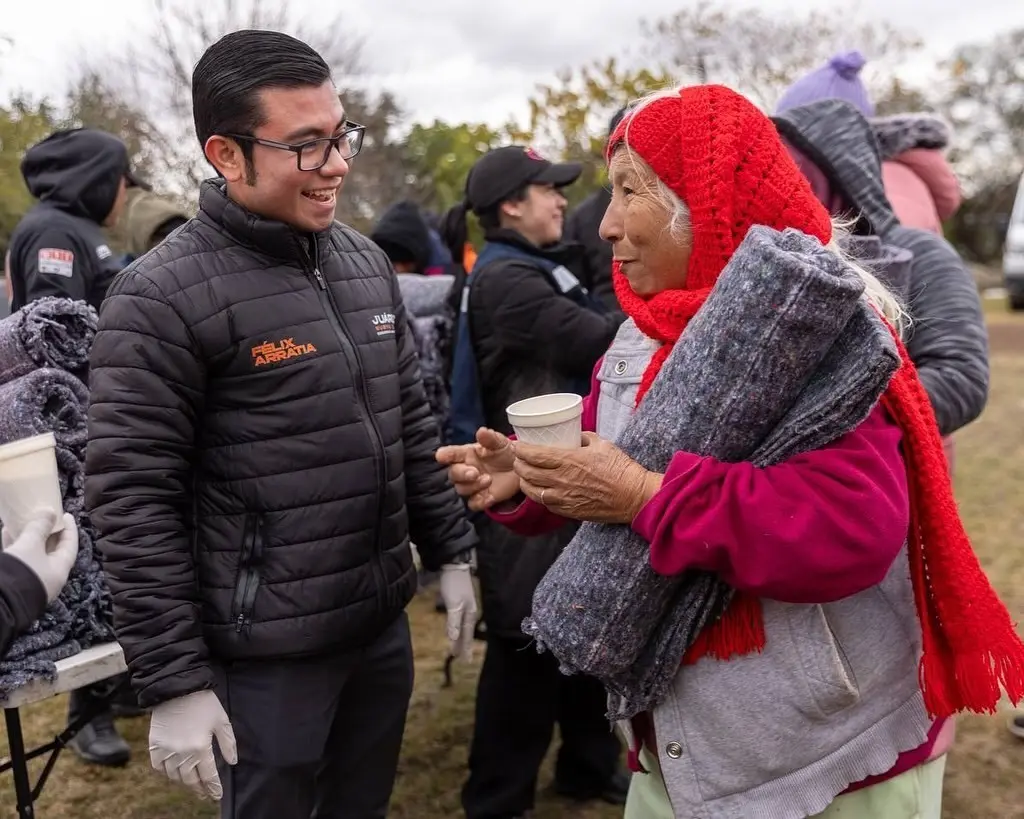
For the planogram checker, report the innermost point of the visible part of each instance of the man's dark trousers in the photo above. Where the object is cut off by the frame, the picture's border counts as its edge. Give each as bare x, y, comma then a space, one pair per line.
317, 738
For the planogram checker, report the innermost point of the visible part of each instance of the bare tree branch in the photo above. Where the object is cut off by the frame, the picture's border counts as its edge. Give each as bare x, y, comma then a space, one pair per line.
759, 54
154, 77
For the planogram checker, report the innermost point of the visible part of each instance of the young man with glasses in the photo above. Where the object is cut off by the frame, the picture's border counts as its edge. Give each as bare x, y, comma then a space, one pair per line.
261, 451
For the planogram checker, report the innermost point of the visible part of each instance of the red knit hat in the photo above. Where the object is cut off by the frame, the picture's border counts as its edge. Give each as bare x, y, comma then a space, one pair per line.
723, 157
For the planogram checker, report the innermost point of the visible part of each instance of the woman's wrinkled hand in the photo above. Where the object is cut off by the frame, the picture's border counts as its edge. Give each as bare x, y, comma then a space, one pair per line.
597, 482
482, 473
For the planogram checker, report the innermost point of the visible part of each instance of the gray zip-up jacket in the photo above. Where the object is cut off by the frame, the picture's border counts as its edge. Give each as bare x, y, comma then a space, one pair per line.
947, 342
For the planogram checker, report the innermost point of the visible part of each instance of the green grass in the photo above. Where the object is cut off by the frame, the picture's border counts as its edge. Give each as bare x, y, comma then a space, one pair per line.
984, 771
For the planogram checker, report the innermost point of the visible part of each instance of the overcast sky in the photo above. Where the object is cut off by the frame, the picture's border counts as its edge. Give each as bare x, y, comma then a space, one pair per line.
450, 59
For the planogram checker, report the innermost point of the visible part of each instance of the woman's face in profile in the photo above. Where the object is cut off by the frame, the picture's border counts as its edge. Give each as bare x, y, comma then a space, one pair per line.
653, 253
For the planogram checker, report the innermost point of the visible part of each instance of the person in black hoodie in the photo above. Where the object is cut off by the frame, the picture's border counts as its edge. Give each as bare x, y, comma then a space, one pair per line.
533, 329
581, 227
58, 248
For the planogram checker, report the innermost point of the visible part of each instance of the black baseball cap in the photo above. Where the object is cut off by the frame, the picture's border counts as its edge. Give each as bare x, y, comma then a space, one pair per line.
499, 173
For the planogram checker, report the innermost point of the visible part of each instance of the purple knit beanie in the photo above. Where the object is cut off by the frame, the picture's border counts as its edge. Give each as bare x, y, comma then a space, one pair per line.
839, 78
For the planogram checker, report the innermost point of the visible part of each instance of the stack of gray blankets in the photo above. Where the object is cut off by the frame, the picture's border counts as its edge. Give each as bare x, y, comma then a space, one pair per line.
44, 355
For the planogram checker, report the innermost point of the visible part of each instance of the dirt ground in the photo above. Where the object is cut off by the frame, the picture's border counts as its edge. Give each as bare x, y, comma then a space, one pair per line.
984, 769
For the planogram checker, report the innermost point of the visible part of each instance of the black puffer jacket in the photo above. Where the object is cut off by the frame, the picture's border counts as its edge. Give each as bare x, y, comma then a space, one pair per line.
260, 449
528, 339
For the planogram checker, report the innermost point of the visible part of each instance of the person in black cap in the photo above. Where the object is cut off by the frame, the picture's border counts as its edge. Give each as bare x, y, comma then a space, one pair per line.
526, 327
581, 226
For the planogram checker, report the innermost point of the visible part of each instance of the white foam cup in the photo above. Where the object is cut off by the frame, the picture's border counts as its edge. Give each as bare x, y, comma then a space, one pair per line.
550, 420
29, 482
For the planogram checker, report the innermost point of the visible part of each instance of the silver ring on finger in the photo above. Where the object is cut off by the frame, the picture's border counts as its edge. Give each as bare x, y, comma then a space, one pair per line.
542, 491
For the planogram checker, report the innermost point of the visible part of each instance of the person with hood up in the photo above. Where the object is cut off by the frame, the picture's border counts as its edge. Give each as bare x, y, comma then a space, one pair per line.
58, 248
834, 146
920, 187
582, 225
920, 184
858, 616
919, 181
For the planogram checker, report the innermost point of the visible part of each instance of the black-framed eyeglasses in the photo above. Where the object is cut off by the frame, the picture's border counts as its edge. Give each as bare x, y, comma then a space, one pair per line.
314, 154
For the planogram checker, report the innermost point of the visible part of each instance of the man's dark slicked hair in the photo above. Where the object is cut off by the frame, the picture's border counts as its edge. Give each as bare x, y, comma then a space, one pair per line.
229, 76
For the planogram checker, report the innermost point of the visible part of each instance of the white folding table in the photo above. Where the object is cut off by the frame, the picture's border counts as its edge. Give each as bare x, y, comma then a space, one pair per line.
89, 666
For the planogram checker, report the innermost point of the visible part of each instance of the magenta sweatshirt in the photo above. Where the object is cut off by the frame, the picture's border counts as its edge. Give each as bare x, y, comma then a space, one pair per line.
816, 528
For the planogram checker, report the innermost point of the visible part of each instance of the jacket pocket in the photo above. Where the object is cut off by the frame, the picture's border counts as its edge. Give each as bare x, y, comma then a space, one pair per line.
827, 669
247, 579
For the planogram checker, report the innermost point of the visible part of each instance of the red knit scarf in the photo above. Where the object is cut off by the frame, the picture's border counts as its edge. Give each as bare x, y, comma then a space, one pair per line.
970, 645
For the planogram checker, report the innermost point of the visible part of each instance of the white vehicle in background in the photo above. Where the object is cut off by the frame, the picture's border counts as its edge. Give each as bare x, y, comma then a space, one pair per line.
1013, 252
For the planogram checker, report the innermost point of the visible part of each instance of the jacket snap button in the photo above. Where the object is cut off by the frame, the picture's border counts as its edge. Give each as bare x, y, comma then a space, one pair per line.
674, 750
620, 367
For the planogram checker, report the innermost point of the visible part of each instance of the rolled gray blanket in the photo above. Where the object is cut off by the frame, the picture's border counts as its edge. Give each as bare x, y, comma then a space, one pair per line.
38, 665
729, 387
49, 332
86, 595
45, 400
71, 472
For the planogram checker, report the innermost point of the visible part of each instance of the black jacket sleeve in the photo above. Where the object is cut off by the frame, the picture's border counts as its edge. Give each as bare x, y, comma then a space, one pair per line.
52, 263
437, 518
147, 386
22, 600
529, 316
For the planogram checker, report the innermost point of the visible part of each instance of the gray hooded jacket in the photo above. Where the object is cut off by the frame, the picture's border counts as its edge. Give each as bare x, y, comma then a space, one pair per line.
948, 341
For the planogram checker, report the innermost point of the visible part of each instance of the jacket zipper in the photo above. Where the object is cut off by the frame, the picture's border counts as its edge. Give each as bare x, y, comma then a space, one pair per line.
248, 580
351, 353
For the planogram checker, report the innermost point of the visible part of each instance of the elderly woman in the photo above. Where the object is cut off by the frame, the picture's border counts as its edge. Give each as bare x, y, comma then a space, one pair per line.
819, 710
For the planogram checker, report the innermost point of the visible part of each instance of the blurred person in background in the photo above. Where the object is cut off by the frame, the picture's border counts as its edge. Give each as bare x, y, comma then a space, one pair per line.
582, 225
920, 185
527, 327
148, 219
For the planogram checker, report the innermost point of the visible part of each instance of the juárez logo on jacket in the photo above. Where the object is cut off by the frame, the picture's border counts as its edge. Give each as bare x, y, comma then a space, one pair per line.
270, 352
384, 324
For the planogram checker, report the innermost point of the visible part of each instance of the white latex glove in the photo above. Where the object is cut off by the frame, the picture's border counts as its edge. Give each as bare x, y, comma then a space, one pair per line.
181, 734
50, 557
460, 602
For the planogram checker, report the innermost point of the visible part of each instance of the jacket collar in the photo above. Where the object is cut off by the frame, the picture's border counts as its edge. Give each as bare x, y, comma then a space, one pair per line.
566, 253
266, 236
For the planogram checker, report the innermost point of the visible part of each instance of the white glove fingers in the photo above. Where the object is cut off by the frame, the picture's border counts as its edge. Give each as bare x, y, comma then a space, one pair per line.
39, 525
226, 742
189, 775
207, 772
66, 550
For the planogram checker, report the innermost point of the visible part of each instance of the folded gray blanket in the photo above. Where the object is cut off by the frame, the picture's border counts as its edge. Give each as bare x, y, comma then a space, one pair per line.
71, 472
80, 617
783, 358
45, 400
49, 332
